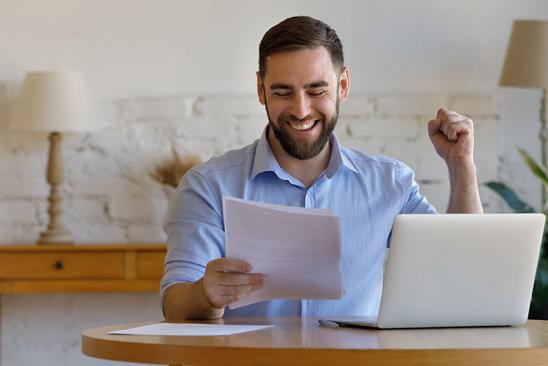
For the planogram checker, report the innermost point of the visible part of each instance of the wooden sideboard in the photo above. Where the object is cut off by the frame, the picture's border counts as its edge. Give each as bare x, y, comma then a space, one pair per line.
81, 268
27, 269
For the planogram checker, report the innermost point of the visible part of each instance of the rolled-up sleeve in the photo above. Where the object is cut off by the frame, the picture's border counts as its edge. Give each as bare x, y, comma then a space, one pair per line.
195, 231
413, 201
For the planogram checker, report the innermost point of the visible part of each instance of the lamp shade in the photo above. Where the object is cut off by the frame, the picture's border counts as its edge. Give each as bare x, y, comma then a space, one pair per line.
53, 102
526, 63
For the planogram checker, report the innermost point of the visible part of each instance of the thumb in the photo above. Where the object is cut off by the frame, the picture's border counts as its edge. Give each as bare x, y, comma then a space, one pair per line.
434, 127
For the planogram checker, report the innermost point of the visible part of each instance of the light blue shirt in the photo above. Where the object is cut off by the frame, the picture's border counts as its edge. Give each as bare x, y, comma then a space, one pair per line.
366, 192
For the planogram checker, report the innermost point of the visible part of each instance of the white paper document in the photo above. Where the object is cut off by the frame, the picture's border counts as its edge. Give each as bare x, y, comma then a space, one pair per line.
190, 329
297, 249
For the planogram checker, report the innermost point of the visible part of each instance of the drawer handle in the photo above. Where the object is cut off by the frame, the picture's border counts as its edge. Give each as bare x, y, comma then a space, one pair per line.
59, 265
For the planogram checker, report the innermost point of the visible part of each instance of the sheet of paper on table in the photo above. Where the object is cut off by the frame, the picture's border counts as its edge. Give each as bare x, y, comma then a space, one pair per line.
297, 249
190, 329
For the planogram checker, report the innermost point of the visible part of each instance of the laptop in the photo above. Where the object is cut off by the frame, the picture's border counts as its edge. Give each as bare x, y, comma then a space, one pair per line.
457, 270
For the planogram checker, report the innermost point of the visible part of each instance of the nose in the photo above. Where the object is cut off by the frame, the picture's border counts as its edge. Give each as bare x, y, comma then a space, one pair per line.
300, 106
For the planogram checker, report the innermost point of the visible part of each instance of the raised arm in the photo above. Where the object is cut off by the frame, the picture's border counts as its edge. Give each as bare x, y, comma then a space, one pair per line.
452, 135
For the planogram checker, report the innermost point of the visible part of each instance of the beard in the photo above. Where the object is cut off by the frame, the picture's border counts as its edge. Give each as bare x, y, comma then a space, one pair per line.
301, 149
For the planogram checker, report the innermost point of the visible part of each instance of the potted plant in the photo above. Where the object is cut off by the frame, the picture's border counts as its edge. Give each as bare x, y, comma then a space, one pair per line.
539, 301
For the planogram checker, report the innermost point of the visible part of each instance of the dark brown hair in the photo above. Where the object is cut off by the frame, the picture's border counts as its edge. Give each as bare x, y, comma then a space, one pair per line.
297, 33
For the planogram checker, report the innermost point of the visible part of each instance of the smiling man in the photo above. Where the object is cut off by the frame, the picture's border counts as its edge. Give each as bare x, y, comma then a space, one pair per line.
301, 92
299, 162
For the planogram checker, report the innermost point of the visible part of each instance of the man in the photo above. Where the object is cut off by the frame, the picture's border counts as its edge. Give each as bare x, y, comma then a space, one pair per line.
298, 162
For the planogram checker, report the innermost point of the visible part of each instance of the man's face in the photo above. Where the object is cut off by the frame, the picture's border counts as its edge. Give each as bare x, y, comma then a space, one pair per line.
301, 93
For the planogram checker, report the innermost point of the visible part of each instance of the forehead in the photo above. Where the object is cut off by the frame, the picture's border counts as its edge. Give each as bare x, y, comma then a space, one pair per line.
300, 67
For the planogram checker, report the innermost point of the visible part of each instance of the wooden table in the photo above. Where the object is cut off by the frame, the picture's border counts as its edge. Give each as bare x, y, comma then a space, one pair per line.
296, 341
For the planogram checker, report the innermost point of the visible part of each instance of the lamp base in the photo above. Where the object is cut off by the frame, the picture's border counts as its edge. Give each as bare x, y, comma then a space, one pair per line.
55, 232
56, 237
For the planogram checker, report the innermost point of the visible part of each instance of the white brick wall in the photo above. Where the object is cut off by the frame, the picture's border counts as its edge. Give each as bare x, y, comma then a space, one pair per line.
475, 105
358, 106
108, 188
21, 175
385, 128
18, 212
167, 109
424, 106
221, 107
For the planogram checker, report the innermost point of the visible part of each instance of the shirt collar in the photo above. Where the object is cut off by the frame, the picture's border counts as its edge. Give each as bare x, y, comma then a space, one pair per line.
265, 161
337, 159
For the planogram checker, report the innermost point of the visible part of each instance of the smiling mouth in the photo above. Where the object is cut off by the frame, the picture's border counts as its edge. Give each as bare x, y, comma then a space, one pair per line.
303, 126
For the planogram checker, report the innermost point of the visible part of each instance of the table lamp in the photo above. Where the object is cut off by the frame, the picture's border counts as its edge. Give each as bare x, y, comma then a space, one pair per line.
526, 65
53, 102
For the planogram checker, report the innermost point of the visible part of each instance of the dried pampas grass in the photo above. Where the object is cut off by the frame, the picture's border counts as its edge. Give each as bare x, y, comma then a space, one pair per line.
171, 171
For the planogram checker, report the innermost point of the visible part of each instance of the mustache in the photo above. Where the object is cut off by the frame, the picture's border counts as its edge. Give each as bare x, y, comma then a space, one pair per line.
292, 118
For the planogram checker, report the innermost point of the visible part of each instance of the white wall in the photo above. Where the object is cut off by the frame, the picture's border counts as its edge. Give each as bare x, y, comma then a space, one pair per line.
140, 47
182, 72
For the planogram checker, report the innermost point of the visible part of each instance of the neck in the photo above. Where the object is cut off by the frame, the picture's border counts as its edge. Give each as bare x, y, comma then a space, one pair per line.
306, 171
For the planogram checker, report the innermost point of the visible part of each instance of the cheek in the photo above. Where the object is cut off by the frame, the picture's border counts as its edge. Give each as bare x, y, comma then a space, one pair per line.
276, 108
326, 107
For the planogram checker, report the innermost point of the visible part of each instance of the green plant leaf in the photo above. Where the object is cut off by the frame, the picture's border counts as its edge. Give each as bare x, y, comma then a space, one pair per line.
535, 167
542, 272
539, 300
510, 197
540, 296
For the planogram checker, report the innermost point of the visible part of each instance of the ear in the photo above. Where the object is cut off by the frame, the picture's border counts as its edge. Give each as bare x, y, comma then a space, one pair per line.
260, 89
344, 84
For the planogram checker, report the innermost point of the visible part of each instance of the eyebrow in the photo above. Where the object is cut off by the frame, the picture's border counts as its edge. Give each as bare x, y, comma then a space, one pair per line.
314, 84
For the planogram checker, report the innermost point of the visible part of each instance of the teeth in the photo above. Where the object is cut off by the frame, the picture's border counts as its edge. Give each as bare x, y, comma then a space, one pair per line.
302, 126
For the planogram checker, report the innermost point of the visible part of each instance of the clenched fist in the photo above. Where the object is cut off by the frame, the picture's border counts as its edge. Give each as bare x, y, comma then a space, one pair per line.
452, 135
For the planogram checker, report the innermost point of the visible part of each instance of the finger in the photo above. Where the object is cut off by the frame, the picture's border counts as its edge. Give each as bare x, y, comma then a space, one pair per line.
229, 299
434, 127
441, 112
220, 295
236, 290
452, 128
447, 115
235, 279
229, 265
454, 120
462, 125
444, 113
456, 130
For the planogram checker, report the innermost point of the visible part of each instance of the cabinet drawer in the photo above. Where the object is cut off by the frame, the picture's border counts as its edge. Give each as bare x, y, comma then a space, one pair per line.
150, 265
61, 265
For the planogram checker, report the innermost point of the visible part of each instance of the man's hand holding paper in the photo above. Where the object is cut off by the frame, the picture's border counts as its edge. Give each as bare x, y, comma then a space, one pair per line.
297, 250
227, 280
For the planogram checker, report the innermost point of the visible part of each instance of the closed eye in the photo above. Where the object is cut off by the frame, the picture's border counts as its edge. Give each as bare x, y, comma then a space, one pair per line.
278, 94
317, 94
